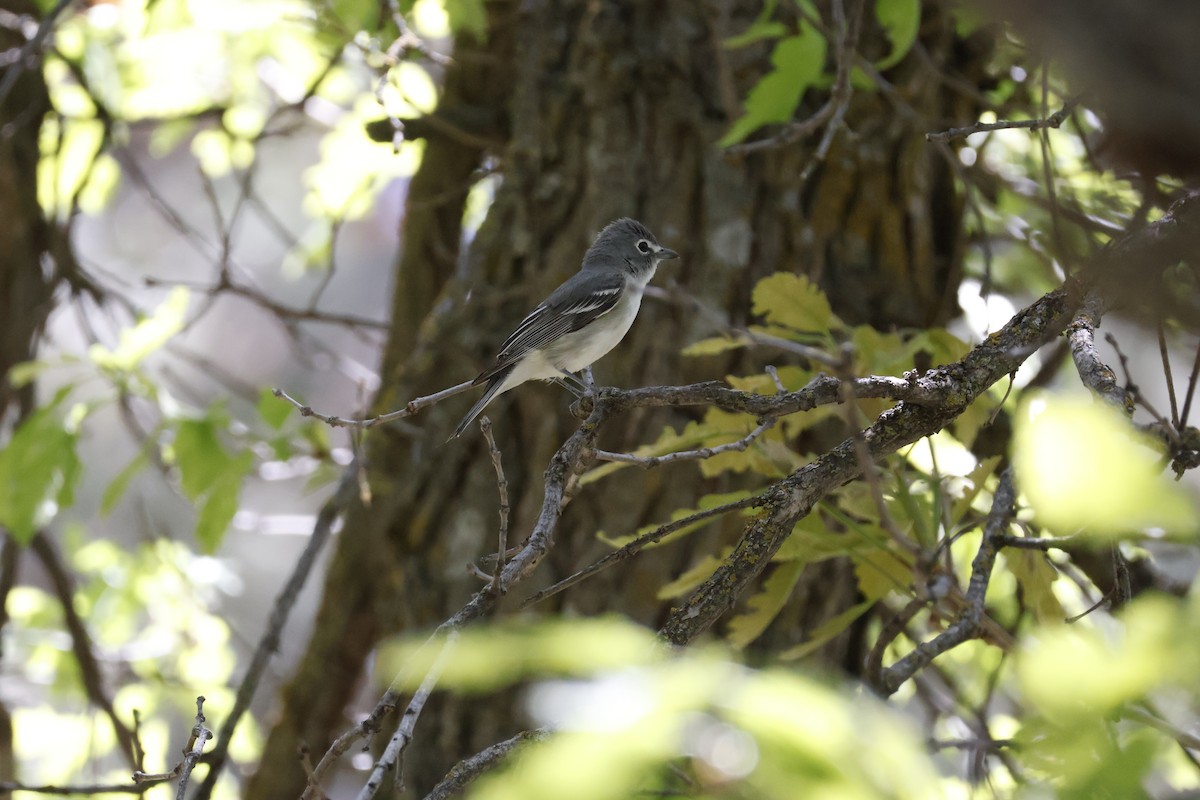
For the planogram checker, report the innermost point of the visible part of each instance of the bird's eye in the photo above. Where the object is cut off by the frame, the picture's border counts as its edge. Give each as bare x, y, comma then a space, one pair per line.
643, 246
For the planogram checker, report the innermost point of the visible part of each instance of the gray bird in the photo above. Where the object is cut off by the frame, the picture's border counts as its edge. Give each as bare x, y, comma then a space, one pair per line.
582, 319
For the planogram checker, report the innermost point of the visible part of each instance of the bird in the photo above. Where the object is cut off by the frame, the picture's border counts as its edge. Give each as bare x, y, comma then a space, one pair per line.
581, 320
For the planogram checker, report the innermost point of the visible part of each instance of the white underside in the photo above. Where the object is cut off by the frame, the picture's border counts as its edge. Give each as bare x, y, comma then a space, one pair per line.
574, 351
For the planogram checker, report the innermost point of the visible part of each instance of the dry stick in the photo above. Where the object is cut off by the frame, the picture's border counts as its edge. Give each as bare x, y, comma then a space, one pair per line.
1166, 361
646, 462
969, 624
637, 545
412, 407
404, 731
195, 748
1164, 429
1035, 543
1053, 121
485, 425
268, 645
1187, 401
1093, 372
565, 462
472, 767
1064, 255
892, 628
740, 445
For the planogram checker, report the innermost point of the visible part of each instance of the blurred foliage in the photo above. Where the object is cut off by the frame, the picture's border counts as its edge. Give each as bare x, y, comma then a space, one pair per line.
1102, 707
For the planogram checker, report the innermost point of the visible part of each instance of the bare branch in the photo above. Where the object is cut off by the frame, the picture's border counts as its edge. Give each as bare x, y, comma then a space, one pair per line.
411, 408
1095, 374
472, 767
969, 624
404, 732
485, 425
699, 454
1053, 121
637, 545
195, 748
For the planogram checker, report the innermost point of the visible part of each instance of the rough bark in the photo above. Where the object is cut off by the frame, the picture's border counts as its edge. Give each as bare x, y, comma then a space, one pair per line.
612, 110
25, 285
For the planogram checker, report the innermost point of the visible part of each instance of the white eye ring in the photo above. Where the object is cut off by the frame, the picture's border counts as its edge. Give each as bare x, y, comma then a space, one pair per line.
643, 246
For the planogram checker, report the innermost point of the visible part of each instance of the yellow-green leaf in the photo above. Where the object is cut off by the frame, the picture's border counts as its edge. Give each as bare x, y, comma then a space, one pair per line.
694, 576
1036, 575
706, 502
794, 302
146, 336
766, 604
1084, 467
713, 346
798, 62
826, 631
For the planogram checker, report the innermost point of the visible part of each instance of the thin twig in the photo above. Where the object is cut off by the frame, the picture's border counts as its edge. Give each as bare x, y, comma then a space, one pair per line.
472, 767
485, 425
195, 748
1166, 362
699, 454
412, 407
404, 731
1053, 121
637, 545
1191, 391
969, 623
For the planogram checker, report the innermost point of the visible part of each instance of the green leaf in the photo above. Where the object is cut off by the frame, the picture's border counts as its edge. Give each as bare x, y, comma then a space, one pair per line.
1036, 575
794, 302
901, 19
706, 502
25, 373
693, 435
468, 16
766, 604
694, 576
221, 503
713, 346
199, 455
880, 571
146, 336
826, 631
118, 485
798, 64
487, 657
1083, 466
38, 470
762, 28
273, 410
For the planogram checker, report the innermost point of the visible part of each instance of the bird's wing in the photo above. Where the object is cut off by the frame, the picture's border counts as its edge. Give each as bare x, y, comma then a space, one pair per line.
585, 297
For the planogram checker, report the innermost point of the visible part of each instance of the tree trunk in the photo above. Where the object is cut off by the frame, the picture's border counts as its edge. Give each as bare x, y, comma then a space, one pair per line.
613, 108
25, 285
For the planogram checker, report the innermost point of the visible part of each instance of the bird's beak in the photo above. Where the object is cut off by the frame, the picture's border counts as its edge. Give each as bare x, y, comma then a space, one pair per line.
665, 252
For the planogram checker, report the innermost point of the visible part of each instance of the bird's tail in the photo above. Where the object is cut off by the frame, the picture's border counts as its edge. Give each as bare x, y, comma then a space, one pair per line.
493, 388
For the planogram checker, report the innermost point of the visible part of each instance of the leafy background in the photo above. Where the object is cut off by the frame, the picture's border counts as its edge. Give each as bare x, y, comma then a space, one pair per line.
232, 226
